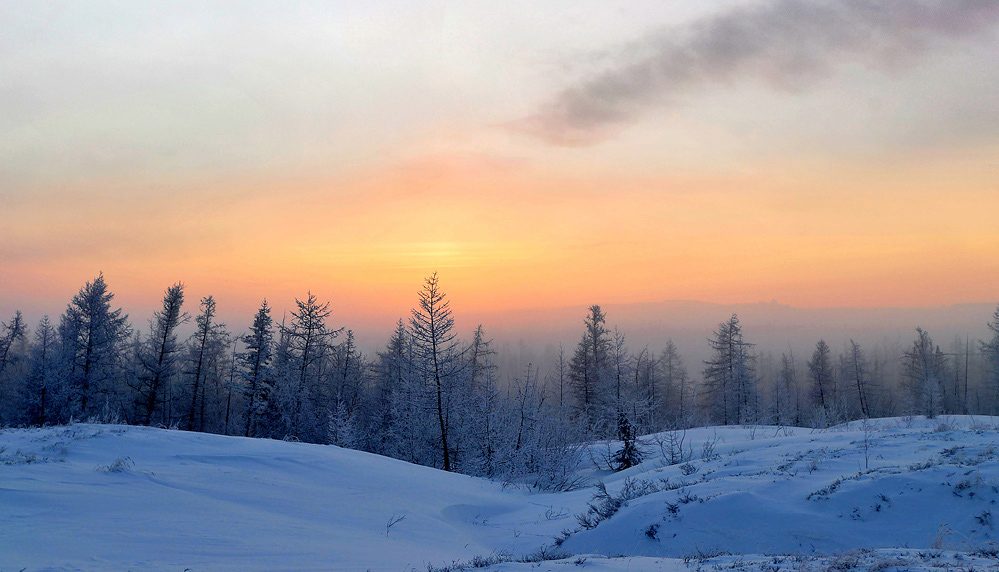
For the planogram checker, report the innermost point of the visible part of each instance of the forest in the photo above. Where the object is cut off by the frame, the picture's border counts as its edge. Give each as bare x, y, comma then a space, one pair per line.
435, 398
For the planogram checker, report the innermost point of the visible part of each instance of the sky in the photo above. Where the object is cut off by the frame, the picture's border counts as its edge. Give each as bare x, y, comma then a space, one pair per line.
821, 153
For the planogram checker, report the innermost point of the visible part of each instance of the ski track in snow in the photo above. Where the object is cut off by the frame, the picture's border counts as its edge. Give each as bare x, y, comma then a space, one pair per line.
904, 493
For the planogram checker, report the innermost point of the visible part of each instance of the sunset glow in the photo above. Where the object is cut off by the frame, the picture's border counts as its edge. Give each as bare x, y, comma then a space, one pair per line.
353, 149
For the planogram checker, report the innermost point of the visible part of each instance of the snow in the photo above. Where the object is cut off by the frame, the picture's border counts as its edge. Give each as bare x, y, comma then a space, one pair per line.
106, 497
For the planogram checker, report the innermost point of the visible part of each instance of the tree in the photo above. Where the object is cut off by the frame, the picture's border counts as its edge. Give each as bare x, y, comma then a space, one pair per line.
350, 370
629, 454
820, 373
41, 390
348, 374
648, 399
484, 405
729, 376
676, 385
12, 349
11, 334
255, 361
788, 393
589, 371
388, 406
990, 353
923, 369
206, 350
93, 336
157, 358
302, 362
857, 369
438, 354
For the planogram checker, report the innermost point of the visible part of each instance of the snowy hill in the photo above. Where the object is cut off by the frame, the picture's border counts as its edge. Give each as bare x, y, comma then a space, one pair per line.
98, 497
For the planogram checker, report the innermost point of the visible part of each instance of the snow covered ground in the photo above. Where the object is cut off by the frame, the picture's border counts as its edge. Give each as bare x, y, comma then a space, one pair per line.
889, 494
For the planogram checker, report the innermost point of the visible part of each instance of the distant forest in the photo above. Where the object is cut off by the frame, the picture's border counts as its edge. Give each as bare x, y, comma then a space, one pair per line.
435, 398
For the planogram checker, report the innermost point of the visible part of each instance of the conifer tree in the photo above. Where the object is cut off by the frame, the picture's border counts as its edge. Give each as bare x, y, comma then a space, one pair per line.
254, 368
990, 353
93, 337
857, 370
439, 356
590, 374
157, 357
41, 396
207, 351
820, 373
730, 376
923, 367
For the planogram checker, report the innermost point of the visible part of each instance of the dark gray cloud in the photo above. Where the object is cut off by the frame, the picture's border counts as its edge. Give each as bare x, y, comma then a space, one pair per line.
789, 44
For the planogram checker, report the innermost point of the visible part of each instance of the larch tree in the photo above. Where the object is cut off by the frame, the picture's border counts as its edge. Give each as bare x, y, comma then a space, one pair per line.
990, 354
207, 350
923, 368
310, 340
730, 376
41, 390
590, 373
348, 376
158, 356
820, 373
255, 363
676, 386
439, 355
11, 334
788, 392
858, 372
387, 406
13, 339
92, 338
484, 405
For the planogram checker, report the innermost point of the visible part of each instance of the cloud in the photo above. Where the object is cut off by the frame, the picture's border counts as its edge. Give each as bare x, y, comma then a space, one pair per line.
789, 44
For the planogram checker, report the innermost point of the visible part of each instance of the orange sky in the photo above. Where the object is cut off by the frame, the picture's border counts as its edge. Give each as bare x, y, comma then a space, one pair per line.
560, 167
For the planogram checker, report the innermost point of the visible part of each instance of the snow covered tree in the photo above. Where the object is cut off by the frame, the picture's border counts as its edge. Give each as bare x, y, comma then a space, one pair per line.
157, 357
648, 400
590, 373
536, 444
990, 353
923, 368
730, 376
207, 352
41, 398
676, 387
10, 335
254, 368
787, 394
629, 454
439, 355
820, 373
386, 407
349, 369
857, 371
310, 340
92, 339
13, 337
484, 406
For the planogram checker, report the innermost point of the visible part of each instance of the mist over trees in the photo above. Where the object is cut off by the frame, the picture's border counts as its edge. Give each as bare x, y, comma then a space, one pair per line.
433, 395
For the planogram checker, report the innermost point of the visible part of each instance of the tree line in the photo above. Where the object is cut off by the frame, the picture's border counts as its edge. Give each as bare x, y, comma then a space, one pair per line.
433, 398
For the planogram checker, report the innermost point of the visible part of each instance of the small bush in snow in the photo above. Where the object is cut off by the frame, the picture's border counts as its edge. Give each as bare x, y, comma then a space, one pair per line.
985, 519
606, 504
120, 465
